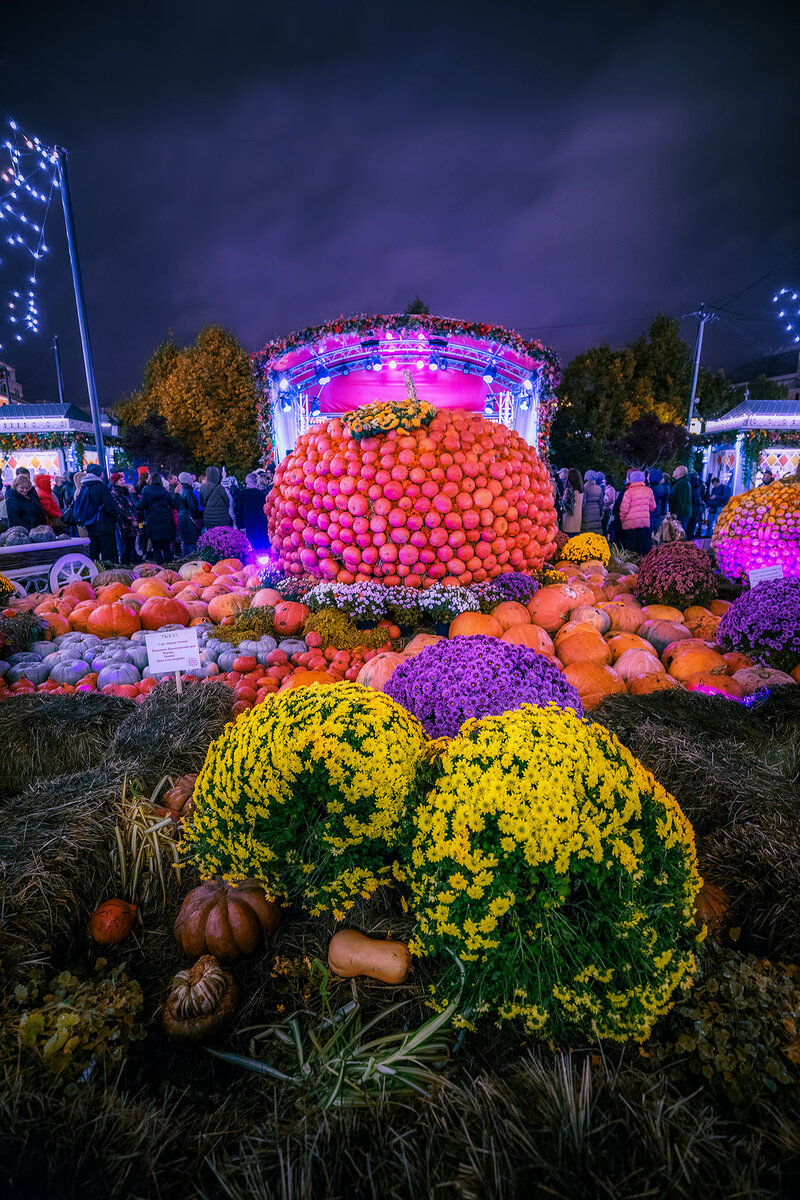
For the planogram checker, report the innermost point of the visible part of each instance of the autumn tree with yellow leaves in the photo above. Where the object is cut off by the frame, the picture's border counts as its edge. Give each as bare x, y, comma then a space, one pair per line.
206, 395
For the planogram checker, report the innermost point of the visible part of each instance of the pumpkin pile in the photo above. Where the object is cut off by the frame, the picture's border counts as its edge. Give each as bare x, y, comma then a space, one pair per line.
760, 528
460, 499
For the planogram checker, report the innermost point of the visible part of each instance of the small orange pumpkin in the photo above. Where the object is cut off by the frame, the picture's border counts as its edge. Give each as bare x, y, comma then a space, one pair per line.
289, 617
548, 608
306, 678
625, 618
619, 643
225, 604
471, 624
711, 904
378, 671
112, 921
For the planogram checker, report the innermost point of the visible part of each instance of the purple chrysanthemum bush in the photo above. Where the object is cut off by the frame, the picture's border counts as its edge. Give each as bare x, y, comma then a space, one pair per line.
765, 623
678, 574
465, 677
225, 543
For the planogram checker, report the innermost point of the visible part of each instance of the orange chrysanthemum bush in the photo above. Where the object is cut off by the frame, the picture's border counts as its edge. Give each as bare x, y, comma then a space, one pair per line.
455, 498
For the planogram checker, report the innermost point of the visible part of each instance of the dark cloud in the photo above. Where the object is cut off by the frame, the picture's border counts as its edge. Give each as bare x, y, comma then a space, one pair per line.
569, 173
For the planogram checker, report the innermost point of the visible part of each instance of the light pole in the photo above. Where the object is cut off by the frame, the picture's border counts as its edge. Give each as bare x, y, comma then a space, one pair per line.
703, 314
59, 376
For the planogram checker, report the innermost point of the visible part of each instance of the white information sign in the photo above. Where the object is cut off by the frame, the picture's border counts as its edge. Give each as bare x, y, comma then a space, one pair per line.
760, 574
173, 650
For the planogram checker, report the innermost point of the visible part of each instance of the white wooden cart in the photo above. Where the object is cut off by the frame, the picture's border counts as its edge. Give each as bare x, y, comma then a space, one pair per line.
46, 566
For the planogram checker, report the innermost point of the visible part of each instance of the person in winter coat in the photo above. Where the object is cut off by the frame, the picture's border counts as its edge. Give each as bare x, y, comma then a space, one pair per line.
660, 489
126, 518
254, 521
234, 499
573, 503
23, 506
214, 499
189, 517
718, 496
695, 526
94, 510
64, 492
44, 490
634, 514
609, 500
157, 507
593, 497
680, 496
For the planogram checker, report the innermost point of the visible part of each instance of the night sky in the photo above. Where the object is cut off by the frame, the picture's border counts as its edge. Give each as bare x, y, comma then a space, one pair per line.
567, 170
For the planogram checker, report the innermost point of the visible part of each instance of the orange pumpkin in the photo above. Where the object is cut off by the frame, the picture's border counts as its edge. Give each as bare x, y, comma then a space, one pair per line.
549, 608
510, 613
720, 607
694, 660
225, 919
570, 569
738, 662
584, 645
197, 609
55, 623
378, 671
421, 642
593, 682
622, 642
662, 612
150, 587
169, 577
113, 620
711, 905
795, 674
470, 624
589, 615
266, 598
158, 610
705, 628
111, 592
225, 605
79, 617
227, 566
643, 685
707, 681
634, 664
695, 612
112, 922
290, 617
305, 678
625, 618
529, 635
78, 591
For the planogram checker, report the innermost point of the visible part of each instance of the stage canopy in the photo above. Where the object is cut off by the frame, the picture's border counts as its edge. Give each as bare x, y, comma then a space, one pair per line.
332, 369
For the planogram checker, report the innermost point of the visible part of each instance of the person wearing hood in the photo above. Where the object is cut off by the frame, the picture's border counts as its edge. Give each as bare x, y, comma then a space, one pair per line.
680, 496
231, 486
95, 510
637, 504
23, 506
660, 489
593, 498
64, 491
573, 502
126, 518
156, 505
254, 520
189, 516
215, 501
718, 496
44, 490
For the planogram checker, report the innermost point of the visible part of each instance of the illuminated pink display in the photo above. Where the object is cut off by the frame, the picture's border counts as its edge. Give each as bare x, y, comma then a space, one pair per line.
760, 528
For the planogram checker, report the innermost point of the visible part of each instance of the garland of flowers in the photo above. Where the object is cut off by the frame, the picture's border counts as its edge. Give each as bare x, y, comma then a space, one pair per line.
754, 443
381, 416
9, 442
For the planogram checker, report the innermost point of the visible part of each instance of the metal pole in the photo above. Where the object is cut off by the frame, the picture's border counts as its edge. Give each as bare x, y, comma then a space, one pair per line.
703, 315
59, 376
80, 304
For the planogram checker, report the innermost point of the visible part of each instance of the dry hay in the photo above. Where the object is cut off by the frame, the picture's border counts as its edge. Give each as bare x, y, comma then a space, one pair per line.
55, 841
44, 736
723, 762
759, 867
168, 733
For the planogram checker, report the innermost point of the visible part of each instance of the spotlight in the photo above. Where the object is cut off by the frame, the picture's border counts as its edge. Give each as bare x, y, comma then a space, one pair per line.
377, 365
488, 407
314, 409
286, 405
525, 403
420, 364
345, 370
528, 384
392, 364
283, 383
322, 375
466, 369
368, 366
434, 364
489, 375
443, 364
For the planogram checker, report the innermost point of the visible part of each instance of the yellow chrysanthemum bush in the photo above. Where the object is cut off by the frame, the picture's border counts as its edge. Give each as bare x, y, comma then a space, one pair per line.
306, 793
551, 863
585, 546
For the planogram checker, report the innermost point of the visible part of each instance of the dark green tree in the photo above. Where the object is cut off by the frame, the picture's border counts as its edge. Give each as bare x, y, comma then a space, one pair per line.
762, 388
150, 442
417, 307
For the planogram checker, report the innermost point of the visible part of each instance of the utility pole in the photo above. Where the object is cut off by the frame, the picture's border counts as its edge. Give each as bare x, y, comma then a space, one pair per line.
80, 304
703, 314
59, 376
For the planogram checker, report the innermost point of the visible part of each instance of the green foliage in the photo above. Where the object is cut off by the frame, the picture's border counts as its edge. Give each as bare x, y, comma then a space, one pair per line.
206, 395
68, 1023
738, 1027
715, 395
339, 631
150, 442
604, 391
763, 388
417, 307
248, 625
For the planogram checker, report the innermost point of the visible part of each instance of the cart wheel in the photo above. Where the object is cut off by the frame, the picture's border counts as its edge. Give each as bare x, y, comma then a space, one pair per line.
71, 568
19, 590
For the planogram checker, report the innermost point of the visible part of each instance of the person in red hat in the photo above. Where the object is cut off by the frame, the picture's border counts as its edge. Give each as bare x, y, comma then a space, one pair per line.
44, 490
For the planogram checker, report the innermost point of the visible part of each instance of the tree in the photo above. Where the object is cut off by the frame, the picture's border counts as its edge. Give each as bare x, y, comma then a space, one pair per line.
150, 443
417, 307
715, 395
650, 442
763, 388
604, 392
206, 395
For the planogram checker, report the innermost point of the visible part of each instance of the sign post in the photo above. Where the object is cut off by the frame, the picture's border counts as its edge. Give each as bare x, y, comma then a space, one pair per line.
173, 650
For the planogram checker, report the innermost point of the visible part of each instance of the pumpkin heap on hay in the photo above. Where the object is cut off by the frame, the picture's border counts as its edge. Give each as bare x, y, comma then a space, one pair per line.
553, 866
409, 496
760, 528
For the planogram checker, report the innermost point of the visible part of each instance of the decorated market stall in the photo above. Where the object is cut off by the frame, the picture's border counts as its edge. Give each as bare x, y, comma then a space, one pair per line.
51, 439
755, 436
332, 369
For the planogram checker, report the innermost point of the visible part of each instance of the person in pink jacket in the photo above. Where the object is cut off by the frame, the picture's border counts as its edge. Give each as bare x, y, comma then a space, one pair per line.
634, 513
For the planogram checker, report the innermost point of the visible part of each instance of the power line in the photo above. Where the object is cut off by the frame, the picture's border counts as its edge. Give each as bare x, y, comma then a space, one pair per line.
755, 282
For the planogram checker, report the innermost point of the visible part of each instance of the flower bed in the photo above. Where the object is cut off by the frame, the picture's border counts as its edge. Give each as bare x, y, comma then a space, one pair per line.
765, 623
559, 872
677, 573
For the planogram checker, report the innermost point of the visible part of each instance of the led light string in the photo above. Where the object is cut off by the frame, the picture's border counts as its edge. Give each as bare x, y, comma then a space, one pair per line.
787, 300
28, 179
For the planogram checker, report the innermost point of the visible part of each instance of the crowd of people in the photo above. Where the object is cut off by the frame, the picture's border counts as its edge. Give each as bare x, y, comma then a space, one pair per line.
650, 505
151, 515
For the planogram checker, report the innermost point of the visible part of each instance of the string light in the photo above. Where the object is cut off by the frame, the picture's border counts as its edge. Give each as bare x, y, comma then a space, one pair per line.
28, 180
788, 300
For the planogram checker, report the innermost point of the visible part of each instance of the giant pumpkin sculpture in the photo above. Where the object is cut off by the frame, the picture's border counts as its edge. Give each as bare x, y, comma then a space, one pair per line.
760, 528
403, 494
